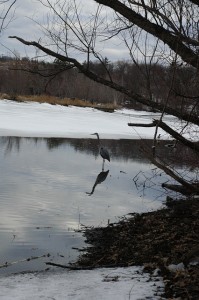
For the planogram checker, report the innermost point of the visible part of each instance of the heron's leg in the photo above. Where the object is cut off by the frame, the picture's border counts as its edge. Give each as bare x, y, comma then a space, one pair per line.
103, 165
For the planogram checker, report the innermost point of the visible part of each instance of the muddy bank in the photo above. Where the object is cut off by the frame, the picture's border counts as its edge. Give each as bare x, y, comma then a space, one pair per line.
155, 240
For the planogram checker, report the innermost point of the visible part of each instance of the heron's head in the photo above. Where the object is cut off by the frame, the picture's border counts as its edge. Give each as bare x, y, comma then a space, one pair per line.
95, 134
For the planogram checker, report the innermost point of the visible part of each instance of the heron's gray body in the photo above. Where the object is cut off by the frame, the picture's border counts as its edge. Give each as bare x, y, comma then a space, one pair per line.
103, 151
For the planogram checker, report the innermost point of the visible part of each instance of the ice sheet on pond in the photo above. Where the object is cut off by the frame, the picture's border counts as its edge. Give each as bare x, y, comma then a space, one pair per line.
44, 120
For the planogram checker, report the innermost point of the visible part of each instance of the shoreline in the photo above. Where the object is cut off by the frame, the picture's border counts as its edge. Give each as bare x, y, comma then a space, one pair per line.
164, 241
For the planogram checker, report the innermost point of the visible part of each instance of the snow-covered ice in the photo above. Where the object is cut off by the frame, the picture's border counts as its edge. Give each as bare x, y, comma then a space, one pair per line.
31, 119
99, 284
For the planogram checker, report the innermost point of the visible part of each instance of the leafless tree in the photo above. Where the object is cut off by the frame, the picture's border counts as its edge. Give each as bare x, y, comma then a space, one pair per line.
167, 29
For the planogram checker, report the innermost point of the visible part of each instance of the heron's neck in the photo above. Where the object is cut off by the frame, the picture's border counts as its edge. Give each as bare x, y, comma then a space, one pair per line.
98, 139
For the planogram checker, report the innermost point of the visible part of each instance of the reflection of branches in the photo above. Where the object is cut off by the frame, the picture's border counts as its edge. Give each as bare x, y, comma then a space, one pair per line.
11, 143
147, 181
14, 143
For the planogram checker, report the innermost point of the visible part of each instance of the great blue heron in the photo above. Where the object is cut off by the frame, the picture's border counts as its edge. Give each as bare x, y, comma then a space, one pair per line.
103, 151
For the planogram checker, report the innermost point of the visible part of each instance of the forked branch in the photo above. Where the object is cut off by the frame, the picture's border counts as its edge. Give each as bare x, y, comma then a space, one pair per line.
189, 187
168, 129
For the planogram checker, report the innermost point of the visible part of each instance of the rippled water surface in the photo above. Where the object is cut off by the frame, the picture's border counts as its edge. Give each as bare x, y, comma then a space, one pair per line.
50, 187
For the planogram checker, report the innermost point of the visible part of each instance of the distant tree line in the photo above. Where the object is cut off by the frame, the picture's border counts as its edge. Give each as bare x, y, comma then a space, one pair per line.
23, 76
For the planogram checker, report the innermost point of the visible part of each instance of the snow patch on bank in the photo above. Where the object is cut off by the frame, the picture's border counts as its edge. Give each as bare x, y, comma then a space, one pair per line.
107, 284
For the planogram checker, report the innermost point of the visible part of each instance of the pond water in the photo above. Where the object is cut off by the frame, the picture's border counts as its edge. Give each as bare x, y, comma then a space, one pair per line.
49, 188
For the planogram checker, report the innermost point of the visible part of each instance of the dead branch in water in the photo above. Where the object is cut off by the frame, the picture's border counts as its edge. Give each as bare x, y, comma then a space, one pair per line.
8, 264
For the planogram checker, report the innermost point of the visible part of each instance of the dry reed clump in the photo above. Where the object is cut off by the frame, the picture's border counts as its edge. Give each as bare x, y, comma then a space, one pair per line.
60, 101
4, 96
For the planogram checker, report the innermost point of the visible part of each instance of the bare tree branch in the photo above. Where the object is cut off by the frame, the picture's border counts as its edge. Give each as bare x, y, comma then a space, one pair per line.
191, 188
5, 15
175, 42
169, 130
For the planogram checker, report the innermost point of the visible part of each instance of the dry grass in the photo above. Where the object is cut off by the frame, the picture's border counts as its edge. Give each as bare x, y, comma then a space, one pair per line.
60, 101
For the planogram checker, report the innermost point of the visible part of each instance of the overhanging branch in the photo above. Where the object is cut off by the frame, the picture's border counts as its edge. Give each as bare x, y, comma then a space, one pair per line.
169, 130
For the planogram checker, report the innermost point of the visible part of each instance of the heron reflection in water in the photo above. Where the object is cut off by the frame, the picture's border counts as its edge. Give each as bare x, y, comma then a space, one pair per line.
100, 178
103, 151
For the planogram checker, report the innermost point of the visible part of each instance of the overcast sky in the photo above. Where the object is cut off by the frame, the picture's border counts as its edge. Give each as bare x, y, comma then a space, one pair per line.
22, 25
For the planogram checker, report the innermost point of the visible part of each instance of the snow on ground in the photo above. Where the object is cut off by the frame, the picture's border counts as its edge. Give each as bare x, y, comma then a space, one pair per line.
45, 120
101, 284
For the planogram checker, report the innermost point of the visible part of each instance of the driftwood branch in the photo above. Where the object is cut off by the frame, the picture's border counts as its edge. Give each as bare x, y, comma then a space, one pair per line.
85, 267
69, 267
8, 264
59, 265
169, 130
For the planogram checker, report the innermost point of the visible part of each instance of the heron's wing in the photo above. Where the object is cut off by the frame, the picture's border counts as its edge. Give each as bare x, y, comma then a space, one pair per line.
104, 153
